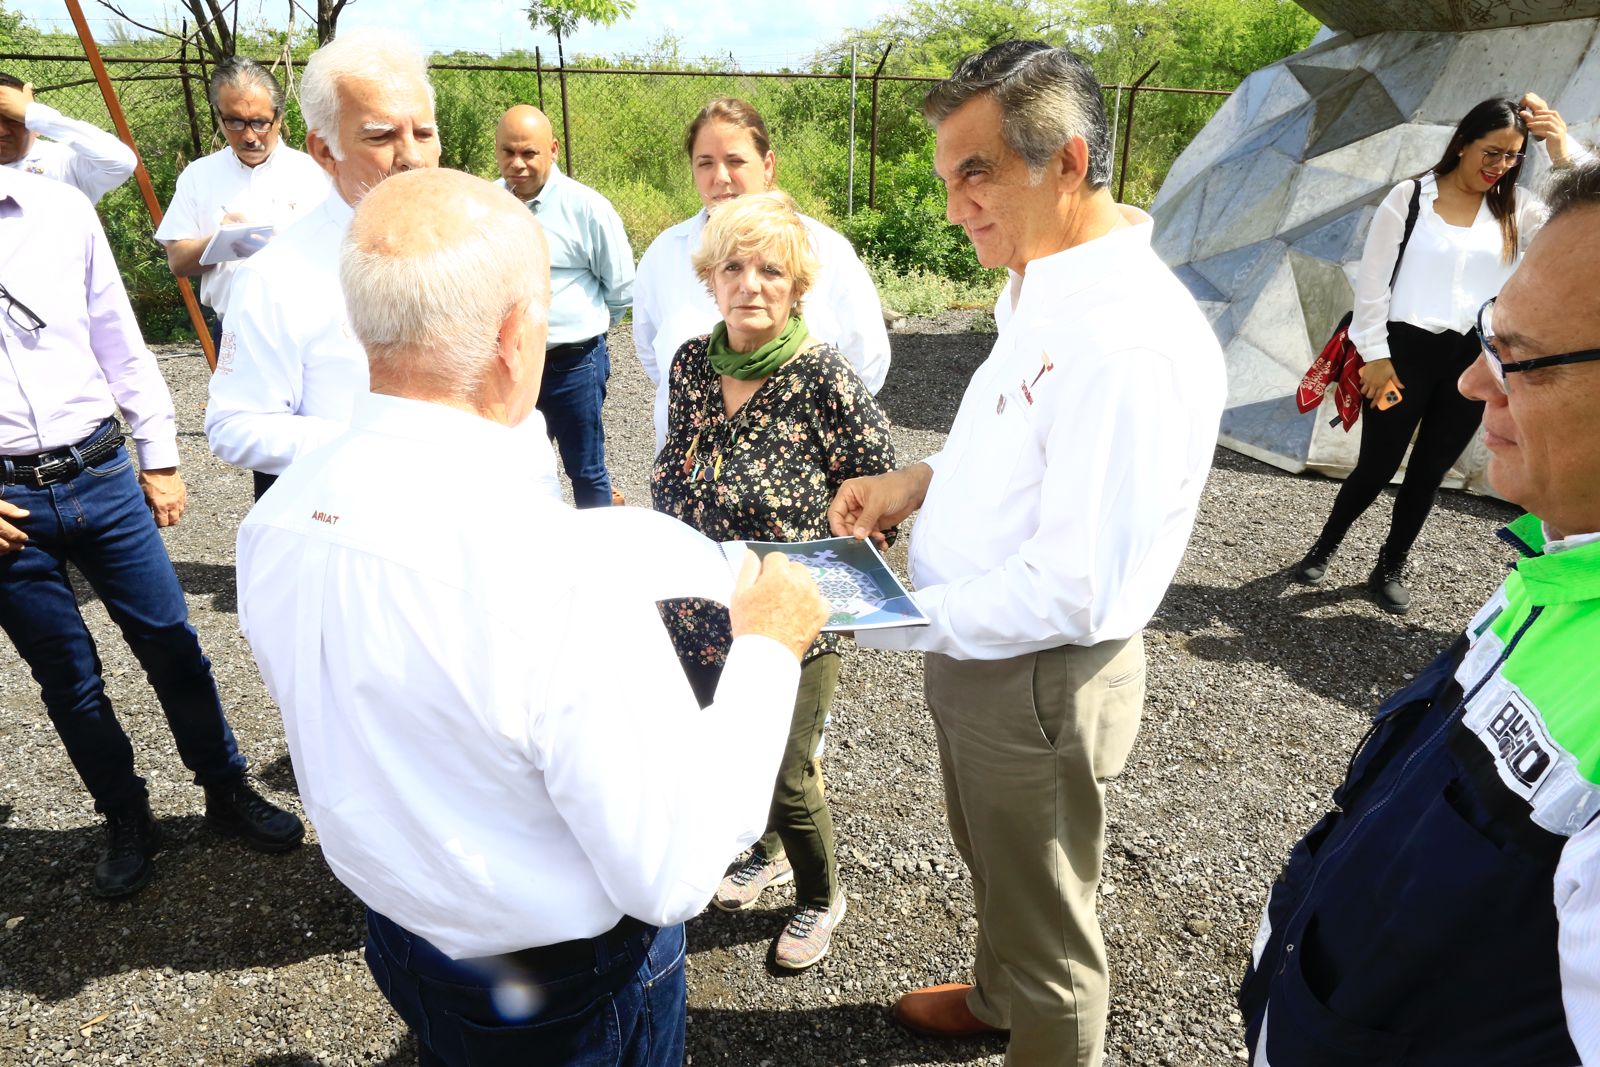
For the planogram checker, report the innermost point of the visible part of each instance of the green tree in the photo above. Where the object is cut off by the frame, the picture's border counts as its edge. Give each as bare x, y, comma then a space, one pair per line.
563, 17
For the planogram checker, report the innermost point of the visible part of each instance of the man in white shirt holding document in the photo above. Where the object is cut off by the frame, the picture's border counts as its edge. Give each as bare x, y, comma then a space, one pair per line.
255, 178
527, 824
1051, 524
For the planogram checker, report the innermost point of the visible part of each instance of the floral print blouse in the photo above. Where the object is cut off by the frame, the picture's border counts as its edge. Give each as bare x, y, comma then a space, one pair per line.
766, 473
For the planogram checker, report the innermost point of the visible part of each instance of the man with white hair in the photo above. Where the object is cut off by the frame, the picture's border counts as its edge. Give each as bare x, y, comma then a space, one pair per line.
289, 367
478, 771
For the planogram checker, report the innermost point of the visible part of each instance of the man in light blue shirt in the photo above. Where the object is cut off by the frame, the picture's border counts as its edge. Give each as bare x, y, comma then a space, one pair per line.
591, 288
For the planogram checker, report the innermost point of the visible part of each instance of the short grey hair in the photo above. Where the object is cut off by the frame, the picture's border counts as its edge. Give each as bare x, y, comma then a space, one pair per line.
1047, 96
238, 72
1573, 187
369, 55
433, 319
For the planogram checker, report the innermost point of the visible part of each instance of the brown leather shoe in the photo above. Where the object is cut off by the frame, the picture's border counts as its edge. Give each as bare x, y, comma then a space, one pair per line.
616, 498
941, 1011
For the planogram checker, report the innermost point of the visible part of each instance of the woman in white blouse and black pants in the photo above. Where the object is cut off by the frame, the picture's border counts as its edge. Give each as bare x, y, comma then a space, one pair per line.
1472, 224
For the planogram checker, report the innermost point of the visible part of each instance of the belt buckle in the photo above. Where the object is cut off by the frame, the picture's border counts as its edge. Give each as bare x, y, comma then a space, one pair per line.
44, 473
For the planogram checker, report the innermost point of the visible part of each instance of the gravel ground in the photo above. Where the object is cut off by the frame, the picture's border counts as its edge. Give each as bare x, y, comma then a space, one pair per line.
1258, 689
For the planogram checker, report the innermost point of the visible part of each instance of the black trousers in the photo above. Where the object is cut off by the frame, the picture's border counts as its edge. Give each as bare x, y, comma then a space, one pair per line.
1428, 365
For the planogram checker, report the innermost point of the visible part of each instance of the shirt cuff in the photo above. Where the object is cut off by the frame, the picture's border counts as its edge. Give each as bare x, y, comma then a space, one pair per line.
40, 117
909, 638
156, 455
761, 656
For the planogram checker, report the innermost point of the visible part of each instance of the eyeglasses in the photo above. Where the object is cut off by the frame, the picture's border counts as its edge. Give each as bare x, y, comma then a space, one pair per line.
1500, 368
1494, 156
256, 125
20, 314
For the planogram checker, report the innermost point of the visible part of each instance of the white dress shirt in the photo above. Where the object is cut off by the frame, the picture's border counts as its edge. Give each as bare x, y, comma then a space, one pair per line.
282, 188
671, 304
1447, 271
489, 727
58, 383
1063, 498
290, 368
78, 153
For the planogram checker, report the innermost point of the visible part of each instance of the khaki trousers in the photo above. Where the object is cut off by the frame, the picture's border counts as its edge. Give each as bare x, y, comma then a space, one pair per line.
1025, 746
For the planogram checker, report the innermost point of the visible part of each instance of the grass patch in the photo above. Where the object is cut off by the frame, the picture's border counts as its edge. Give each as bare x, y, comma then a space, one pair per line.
914, 291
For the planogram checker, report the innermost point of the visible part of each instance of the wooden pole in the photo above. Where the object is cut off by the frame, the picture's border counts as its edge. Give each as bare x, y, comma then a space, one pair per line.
1127, 137
120, 121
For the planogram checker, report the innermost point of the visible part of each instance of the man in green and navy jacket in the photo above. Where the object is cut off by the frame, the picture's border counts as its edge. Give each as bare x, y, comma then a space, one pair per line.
1447, 911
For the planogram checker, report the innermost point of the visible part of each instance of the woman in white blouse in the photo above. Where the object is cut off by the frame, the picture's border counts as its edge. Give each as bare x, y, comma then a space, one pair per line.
730, 154
1472, 224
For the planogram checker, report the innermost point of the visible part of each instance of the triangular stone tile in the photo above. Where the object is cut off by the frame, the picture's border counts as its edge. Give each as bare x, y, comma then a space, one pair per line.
1368, 111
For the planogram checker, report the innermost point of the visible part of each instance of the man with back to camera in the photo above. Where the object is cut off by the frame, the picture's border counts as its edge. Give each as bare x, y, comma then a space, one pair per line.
1447, 910
79, 153
71, 361
256, 177
479, 771
591, 288
1051, 524
289, 367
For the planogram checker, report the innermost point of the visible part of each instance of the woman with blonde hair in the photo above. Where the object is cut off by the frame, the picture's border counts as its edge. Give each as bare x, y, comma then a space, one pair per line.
730, 155
764, 422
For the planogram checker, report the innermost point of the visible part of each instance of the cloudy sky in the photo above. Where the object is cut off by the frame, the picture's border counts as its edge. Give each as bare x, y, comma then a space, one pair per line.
761, 34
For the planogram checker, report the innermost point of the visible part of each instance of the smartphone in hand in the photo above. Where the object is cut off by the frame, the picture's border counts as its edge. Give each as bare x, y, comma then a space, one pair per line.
1388, 397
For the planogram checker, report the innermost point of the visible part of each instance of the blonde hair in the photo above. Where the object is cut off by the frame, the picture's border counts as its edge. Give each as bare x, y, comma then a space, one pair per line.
766, 224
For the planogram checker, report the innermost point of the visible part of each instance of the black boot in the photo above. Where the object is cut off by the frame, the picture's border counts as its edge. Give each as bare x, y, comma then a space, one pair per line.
1314, 567
236, 808
1388, 585
132, 837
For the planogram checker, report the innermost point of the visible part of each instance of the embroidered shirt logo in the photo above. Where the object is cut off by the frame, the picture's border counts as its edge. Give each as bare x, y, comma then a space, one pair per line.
225, 352
323, 516
1526, 753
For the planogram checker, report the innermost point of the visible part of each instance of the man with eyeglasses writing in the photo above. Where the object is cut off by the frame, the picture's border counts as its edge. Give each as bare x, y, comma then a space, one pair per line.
71, 360
255, 178
1447, 910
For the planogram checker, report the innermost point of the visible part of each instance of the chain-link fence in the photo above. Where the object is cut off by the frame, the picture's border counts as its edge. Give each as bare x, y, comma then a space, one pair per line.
855, 152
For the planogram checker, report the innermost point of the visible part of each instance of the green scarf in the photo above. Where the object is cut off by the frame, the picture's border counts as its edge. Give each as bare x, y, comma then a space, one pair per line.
747, 366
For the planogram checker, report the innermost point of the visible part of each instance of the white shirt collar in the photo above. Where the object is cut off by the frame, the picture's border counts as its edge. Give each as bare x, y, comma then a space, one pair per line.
242, 165
427, 423
1553, 544
1070, 270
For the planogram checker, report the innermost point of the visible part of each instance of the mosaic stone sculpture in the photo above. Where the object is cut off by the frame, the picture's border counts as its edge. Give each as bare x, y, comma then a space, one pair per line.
1264, 215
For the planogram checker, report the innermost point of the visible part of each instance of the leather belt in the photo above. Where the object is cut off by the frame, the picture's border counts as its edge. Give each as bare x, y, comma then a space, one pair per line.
63, 464
571, 349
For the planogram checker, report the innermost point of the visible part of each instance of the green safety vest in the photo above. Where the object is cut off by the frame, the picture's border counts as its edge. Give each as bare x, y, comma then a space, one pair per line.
1532, 679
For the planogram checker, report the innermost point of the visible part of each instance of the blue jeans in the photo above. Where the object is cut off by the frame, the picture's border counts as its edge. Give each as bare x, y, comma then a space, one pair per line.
617, 1000
99, 522
570, 398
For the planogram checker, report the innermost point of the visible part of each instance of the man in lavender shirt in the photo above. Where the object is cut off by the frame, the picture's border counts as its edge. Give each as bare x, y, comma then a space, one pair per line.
70, 358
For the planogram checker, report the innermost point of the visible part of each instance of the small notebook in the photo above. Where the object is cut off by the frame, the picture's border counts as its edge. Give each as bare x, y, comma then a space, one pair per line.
236, 240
